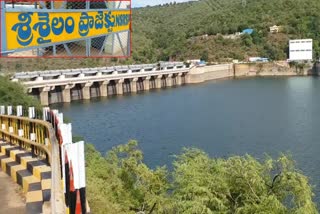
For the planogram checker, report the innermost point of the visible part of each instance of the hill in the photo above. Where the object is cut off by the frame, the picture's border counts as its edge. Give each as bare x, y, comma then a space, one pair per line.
178, 31
202, 29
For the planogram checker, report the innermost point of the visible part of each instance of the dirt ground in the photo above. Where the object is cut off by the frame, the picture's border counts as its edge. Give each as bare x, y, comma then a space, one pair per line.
12, 200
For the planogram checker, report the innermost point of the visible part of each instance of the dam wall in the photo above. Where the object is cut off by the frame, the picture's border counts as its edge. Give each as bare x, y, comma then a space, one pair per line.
83, 84
214, 72
270, 69
210, 72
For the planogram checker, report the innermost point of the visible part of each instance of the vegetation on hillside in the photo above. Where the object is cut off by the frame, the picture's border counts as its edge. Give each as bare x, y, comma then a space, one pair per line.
178, 32
121, 183
14, 94
175, 31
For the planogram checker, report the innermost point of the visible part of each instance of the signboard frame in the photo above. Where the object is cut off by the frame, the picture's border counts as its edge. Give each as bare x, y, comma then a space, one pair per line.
110, 37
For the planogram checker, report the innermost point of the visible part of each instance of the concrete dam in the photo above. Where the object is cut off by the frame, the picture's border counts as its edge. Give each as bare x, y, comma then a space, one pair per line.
59, 86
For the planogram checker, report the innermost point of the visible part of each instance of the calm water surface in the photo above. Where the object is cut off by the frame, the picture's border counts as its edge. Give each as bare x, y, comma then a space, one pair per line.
232, 117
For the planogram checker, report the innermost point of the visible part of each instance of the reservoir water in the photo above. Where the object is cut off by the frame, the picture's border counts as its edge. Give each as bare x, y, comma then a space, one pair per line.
230, 117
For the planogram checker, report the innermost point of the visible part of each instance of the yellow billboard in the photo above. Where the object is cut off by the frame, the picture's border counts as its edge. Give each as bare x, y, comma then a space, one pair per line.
32, 29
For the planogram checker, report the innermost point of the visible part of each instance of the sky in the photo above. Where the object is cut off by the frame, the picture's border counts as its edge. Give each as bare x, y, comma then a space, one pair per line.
143, 3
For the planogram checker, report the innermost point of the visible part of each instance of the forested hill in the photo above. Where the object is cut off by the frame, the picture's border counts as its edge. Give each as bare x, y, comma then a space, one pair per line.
175, 31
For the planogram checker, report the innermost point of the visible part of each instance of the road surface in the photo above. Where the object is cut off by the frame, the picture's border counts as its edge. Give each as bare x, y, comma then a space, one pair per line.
11, 196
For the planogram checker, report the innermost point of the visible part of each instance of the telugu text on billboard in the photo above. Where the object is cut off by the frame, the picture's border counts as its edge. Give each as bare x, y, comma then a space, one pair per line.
33, 29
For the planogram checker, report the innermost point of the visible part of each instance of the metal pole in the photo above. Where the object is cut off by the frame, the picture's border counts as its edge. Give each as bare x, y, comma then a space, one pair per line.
3, 28
88, 41
54, 46
128, 44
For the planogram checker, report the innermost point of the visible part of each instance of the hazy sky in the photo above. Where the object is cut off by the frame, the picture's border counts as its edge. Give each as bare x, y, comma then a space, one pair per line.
142, 3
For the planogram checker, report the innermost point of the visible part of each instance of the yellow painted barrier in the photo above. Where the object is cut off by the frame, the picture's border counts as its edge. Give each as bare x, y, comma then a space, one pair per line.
38, 127
32, 168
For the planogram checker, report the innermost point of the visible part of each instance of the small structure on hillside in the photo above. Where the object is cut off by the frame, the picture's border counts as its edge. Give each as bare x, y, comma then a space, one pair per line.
301, 49
197, 62
201, 63
205, 36
193, 61
248, 31
274, 29
236, 35
258, 59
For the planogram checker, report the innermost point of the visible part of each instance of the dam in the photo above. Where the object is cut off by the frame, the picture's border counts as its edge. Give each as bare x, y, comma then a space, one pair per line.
65, 86
59, 86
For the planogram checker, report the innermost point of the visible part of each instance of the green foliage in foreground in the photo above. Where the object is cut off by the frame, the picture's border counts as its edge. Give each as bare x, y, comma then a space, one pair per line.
14, 94
122, 183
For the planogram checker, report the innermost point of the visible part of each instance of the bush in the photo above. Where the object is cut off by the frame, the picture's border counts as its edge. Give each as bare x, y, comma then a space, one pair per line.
122, 183
12, 93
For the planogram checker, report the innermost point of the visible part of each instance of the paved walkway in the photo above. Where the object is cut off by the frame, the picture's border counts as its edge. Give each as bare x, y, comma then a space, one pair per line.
11, 198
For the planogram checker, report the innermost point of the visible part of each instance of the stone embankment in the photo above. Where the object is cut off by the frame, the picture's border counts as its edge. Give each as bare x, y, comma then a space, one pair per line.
211, 72
214, 72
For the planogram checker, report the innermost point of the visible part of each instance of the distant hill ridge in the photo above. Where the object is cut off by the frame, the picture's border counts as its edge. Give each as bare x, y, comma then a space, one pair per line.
178, 32
173, 31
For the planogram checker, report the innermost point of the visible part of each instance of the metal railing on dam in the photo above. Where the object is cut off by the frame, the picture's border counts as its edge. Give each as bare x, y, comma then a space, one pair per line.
99, 71
33, 146
77, 84
82, 84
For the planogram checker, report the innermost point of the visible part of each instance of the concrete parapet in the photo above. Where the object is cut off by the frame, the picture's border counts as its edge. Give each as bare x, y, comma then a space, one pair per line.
86, 93
66, 96
70, 86
158, 81
66, 93
205, 73
169, 80
179, 82
120, 87
86, 90
134, 85
62, 76
39, 78
146, 84
44, 96
103, 88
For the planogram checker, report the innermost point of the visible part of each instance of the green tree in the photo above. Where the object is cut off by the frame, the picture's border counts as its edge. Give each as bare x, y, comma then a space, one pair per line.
204, 56
159, 27
239, 185
122, 183
247, 40
12, 93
